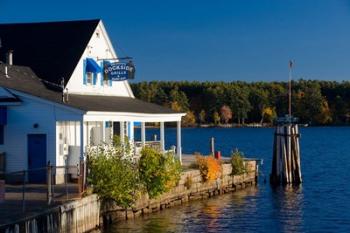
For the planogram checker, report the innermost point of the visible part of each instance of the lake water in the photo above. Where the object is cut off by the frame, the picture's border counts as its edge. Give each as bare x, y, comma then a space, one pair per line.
320, 204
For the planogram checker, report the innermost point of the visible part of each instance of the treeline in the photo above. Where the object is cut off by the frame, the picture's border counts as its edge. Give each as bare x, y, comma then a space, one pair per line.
313, 102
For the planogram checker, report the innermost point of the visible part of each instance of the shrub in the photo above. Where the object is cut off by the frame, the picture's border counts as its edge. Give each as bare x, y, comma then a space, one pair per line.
237, 163
158, 172
112, 176
209, 167
117, 143
172, 170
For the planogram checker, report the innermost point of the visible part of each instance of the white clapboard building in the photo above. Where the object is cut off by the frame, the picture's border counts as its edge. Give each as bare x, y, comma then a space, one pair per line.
40, 123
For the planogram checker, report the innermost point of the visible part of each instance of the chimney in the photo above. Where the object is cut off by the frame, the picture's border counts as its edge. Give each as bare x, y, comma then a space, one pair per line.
67, 95
64, 92
9, 57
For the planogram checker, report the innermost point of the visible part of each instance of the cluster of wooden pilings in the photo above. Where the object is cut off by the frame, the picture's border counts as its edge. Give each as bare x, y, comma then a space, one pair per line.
286, 155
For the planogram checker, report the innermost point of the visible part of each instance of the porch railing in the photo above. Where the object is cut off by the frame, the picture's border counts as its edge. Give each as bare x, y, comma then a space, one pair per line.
138, 147
36, 188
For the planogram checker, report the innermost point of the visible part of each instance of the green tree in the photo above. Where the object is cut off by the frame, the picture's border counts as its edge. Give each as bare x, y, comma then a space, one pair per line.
249, 100
239, 100
160, 97
324, 117
189, 120
180, 98
309, 102
259, 101
216, 118
268, 114
202, 117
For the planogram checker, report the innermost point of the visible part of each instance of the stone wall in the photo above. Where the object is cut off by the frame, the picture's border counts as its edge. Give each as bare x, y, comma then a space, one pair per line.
190, 187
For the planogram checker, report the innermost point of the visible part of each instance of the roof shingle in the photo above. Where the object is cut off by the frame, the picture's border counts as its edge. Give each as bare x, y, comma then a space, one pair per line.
51, 49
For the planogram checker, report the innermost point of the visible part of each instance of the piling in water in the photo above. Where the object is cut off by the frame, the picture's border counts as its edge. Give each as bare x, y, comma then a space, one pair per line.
286, 155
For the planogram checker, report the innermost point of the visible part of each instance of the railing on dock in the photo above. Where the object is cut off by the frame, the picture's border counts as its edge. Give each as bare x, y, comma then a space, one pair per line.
38, 188
138, 146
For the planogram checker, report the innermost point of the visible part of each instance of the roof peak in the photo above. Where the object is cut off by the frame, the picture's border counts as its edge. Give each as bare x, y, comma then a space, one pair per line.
53, 22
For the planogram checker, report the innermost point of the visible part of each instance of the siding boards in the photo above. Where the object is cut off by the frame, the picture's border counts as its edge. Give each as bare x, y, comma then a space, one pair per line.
20, 123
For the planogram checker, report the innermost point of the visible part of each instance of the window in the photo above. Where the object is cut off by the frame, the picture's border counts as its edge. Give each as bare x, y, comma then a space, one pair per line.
91, 70
89, 78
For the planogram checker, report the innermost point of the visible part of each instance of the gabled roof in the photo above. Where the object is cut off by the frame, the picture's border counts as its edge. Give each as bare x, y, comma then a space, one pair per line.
51, 49
24, 80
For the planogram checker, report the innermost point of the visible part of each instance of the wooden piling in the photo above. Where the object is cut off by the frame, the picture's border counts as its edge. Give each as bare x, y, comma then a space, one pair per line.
286, 155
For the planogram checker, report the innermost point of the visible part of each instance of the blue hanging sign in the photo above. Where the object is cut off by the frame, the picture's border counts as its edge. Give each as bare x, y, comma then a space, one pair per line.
118, 71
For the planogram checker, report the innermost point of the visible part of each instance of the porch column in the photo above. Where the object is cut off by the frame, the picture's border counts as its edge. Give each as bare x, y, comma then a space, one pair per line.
143, 133
104, 131
131, 131
122, 132
82, 147
178, 134
162, 145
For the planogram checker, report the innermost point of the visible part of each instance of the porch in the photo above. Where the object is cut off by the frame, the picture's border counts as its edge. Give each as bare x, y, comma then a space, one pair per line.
100, 128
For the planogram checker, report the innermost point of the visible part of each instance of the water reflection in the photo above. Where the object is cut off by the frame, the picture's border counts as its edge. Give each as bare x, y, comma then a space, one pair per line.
219, 214
288, 202
263, 209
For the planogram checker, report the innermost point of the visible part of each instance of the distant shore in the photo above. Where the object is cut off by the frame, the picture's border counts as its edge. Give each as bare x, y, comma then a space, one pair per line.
252, 125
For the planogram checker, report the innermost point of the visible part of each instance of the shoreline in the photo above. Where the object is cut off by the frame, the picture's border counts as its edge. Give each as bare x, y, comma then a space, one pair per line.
90, 213
242, 126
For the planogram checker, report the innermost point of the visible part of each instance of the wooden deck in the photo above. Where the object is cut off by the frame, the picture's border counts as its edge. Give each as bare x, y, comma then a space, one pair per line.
188, 159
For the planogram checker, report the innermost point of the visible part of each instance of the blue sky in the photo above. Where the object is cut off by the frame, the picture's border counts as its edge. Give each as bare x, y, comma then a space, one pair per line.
222, 40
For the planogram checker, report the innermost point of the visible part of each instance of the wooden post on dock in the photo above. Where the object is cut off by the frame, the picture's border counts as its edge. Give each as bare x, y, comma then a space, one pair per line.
286, 155
212, 146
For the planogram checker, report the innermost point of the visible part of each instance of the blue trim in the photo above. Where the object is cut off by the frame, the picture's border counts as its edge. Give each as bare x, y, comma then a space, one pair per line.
92, 66
84, 72
102, 72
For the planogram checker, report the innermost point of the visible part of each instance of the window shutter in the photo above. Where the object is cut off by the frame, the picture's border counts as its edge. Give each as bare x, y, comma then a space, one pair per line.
84, 72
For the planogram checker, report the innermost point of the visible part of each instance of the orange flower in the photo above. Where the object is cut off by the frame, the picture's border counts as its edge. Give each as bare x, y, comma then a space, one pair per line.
209, 167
